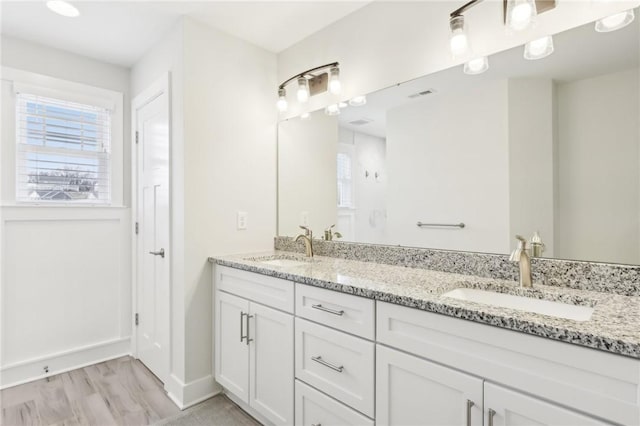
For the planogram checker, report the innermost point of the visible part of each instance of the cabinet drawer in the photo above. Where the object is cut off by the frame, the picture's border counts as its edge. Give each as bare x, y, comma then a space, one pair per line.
315, 408
352, 314
336, 363
263, 289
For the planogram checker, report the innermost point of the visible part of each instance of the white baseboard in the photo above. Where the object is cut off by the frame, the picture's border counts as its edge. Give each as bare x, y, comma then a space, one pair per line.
32, 369
185, 395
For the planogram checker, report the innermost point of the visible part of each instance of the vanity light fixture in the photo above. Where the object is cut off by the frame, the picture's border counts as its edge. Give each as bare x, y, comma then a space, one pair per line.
459, 40
282, 99
476, 66
357, 101
333, 109
343, 104
305, 116
311, 82
538, 48
63, 8
615, 22
520, 14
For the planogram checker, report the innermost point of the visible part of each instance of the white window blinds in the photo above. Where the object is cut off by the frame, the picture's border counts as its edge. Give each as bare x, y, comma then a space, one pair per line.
63, 151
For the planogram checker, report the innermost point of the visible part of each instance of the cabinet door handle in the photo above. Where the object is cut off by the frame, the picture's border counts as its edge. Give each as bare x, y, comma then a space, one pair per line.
158, 253
247, 336
242, 336
491, 414
321, 361
469, 405
331, 311
316, 424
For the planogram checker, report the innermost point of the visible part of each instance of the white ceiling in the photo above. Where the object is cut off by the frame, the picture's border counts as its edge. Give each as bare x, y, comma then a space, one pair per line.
121, 32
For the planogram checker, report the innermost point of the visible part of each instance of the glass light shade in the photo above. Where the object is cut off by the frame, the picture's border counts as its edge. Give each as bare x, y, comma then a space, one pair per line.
343, 104
303, 90
615, 22
520, 14
358, 101
334, 80
282, 100
63, 8
305, 116
332, 109
539, 48
476, 66
459, 41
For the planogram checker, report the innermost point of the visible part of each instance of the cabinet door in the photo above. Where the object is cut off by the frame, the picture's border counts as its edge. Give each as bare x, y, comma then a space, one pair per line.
505, 407
413, 391
231, 349
271, 363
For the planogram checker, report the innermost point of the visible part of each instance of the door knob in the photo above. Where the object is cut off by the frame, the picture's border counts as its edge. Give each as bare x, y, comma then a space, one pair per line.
158, 253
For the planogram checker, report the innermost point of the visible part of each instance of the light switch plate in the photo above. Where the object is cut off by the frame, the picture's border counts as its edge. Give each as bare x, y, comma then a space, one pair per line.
242, 219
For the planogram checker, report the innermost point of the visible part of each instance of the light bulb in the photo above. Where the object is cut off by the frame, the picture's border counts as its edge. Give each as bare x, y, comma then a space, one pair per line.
520, 14
63, 8
334, 80
539, 48
615, 22
332, 109
282, 100
358, 101
476, 66
305, 116
303, 90
459, 42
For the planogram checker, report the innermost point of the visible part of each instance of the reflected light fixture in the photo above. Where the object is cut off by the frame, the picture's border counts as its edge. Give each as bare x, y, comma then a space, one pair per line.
282, 100
520, 14
311, 82
63, 8
305, 116
303, 90
476, 66
539, 48
357, 101
458, 41
343, 104
615, 22
333, 109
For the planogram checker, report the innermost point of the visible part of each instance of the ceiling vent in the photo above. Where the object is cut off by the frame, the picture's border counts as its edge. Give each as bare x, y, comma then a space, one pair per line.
423, 93
360, 122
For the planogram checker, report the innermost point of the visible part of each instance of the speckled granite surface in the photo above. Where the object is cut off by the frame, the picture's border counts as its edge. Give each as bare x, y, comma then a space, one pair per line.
603, 277
613, 327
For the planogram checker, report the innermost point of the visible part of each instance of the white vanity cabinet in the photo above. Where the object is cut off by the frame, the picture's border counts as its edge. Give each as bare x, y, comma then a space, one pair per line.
506, 407
414, 391
254, 343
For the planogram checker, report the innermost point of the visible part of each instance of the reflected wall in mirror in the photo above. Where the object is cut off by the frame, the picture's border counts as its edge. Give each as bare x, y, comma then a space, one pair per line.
551, 146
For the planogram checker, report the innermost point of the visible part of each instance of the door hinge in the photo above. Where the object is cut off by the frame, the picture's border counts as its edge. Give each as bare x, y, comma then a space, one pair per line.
137, 136
137, 320
137, 228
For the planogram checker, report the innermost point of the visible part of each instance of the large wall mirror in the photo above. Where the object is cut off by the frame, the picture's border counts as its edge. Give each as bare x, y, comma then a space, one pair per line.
549, 146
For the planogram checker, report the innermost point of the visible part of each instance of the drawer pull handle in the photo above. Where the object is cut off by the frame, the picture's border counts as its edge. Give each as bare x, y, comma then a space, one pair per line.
316, 424
331, 311
491, 414
319, 360
469, 405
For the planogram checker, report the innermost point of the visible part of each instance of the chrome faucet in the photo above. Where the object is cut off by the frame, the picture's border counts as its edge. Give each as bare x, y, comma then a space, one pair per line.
307, 237
521, 256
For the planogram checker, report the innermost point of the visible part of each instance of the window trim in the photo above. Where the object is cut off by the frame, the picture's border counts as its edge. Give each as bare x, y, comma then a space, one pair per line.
14, 80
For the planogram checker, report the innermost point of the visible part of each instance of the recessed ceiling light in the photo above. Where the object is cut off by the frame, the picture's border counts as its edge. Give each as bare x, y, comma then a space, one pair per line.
63, 8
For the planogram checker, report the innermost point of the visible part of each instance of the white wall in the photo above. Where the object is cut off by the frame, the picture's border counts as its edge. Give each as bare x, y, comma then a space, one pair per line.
385, 43
65, 290
223, 151
458, 170
598, 162
531, 160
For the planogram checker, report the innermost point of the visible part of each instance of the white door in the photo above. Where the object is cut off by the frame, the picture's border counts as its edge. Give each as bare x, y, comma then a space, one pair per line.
151, 115
232, 346
271, 363
413, 391
505, 407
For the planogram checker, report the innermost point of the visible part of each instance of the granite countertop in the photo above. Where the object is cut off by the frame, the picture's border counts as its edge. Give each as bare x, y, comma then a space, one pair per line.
613, 327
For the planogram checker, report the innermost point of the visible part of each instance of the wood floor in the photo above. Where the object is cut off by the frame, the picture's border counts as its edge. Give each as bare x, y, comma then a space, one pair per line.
116, 392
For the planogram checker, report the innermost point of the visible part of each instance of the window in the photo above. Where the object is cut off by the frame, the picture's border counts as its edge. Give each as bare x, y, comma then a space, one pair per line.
63, 151
345, 181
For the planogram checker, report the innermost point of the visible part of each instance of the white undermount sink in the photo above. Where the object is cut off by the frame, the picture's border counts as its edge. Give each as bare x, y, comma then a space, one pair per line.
282, 261
521, 303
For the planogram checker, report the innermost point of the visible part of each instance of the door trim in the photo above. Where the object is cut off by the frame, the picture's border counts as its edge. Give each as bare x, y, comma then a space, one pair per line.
157, 88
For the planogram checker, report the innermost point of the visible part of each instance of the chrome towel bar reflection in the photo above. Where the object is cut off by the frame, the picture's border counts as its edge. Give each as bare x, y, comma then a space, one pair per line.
441, 225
